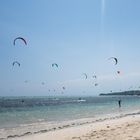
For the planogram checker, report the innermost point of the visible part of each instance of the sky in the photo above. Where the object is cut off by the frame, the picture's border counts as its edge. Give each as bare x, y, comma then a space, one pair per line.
78, 35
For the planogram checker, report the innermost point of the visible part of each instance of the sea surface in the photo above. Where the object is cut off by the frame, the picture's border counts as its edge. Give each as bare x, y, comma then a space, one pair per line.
17, 112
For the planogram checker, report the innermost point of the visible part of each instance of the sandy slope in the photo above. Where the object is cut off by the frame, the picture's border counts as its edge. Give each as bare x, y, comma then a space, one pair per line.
126, 128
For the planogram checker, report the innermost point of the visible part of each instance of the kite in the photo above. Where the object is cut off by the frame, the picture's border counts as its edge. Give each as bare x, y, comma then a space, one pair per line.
85, 75
19, 38
16, 62
94, 76
115, 59
118, 72
63, 88
54, 64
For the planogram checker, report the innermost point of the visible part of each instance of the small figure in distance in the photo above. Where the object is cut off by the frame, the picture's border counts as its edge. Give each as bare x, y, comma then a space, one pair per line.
119, 102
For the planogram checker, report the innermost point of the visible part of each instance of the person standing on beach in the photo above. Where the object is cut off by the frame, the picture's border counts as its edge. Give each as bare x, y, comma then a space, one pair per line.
119, 102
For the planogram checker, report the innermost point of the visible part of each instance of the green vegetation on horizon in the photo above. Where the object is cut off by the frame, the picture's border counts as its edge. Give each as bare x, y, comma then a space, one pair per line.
124, 93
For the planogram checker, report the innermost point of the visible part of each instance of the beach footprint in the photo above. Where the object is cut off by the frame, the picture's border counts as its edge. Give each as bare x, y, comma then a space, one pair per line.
76, 138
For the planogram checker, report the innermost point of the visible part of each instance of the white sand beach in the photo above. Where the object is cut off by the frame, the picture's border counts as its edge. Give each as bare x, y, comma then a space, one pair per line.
119, 128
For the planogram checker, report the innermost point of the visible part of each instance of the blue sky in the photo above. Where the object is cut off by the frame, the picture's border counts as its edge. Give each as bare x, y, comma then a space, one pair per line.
78, 35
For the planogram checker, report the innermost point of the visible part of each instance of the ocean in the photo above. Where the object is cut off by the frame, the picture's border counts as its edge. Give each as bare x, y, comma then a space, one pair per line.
32, 112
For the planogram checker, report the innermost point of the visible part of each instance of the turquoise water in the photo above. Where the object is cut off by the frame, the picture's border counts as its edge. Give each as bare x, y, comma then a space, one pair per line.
16, 111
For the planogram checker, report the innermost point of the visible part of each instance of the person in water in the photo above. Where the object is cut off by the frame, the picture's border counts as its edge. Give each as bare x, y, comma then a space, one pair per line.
119, 102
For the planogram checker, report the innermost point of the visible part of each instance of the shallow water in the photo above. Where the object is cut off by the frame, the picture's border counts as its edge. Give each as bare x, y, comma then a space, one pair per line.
17, 111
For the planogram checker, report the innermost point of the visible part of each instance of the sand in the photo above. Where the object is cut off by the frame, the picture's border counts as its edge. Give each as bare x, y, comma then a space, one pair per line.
120, 128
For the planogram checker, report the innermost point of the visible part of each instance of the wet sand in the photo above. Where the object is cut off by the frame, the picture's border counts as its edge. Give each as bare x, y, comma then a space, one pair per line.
124, 128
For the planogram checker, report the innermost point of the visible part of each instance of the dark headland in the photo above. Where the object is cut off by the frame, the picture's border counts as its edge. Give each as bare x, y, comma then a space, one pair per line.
124, 93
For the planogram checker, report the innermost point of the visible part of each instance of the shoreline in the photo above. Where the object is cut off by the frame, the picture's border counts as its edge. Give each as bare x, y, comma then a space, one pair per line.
124, 127
65, 125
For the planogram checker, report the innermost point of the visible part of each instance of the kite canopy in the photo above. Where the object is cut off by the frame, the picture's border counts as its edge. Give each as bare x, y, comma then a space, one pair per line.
16, 62
19, 38
54, 64
63, 88
85, 75
26, 81
115, 59
118, 72
96, 84
43, 83
94, 76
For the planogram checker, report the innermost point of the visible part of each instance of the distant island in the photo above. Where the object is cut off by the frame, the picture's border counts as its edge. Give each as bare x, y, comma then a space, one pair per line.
124, 93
